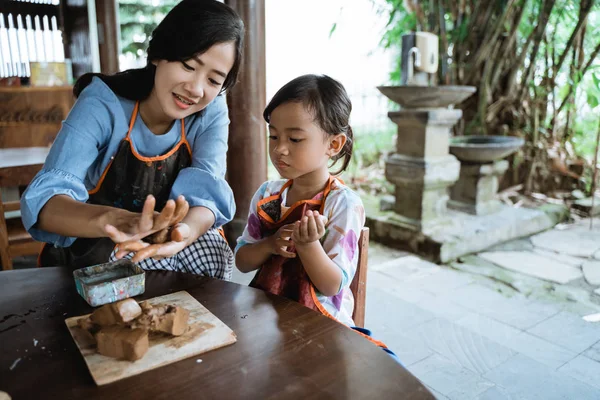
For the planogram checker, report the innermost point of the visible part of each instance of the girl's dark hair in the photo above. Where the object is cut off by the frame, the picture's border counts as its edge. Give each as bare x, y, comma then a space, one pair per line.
327, 100
190, 28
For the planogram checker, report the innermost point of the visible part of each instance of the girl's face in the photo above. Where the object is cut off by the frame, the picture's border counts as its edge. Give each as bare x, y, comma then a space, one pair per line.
184, 88
297, 145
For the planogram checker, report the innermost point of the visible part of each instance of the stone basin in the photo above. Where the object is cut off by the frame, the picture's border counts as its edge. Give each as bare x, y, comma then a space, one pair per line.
484, 149
427, 96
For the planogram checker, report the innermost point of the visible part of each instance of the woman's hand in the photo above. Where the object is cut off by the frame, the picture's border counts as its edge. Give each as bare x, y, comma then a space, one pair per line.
310, 228
178, 239
281, 240
127, 226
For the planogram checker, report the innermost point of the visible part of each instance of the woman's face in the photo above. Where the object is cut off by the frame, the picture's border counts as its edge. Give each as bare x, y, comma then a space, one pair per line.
184, 88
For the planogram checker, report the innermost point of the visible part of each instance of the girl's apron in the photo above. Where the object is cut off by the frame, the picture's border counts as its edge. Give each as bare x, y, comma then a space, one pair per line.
286, 276
125, 183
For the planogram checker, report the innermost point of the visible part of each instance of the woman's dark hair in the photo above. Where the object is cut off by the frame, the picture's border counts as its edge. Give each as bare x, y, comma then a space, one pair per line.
190, 28
327, 100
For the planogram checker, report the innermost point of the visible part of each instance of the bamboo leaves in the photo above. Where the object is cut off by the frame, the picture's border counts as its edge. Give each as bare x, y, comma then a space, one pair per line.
531, 61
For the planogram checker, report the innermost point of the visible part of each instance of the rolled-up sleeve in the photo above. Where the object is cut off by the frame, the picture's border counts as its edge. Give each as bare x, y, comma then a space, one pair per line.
203, 183
47, 184
75, 149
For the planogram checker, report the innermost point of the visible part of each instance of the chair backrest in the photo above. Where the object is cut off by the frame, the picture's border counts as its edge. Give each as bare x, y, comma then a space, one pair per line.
14, 239
5, 258
5, 255
359, 283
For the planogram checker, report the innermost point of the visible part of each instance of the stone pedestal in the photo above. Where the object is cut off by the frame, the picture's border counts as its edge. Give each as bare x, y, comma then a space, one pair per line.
476, 189
422, 185
422, 169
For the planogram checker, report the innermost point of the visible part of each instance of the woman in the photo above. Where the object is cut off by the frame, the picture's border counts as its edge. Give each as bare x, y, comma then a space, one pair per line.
146, 139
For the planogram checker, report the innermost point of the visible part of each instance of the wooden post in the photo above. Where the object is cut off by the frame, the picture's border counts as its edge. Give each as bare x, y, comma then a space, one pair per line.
109, 32
247, 156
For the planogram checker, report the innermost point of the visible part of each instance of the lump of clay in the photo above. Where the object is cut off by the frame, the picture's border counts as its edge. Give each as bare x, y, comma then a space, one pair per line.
120, 330
174, 321
122, 342
89, 328
117, 313
163, 318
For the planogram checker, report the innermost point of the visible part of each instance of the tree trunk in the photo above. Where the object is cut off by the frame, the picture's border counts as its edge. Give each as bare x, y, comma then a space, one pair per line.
586, 7
537, 39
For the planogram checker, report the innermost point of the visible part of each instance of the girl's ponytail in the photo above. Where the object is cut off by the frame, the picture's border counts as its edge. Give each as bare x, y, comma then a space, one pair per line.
346, 152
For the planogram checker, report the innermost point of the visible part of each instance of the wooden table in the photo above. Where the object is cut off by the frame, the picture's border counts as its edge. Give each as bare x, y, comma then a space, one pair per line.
284, 350
19, 165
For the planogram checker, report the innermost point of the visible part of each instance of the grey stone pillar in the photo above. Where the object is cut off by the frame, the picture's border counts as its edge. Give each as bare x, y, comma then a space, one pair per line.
475, 191
422, 168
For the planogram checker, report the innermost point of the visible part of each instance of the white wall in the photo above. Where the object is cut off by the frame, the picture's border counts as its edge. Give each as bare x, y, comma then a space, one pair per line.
298, 42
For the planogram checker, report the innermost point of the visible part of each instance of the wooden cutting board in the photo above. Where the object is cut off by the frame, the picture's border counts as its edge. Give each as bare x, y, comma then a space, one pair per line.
205, 332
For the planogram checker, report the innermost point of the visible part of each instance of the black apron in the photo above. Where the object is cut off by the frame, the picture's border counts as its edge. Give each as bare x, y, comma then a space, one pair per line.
125, 183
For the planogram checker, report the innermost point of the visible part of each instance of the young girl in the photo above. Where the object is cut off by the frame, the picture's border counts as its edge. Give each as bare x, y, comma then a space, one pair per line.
146, 139
302, 232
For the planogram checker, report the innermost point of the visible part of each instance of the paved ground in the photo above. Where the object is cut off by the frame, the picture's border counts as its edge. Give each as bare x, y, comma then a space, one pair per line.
477, 330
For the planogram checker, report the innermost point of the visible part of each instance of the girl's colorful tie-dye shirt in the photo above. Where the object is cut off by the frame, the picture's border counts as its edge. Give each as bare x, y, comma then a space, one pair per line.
346, 217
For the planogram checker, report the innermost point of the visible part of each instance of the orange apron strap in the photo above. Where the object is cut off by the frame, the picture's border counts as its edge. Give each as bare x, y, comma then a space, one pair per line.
327, 314
273, 196
133, 118
128, 138
265, 200
300, 203
182, 141
222, 233
101, 180
184, 137
325, 194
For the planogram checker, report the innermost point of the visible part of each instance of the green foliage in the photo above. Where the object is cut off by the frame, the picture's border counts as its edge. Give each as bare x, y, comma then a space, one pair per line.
370, 145
138, 18
593, 92
530, 88
584, 137
368, 158
399, 22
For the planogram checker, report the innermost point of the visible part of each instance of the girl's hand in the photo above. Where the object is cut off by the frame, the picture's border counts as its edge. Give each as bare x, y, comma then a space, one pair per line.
280, 241
309, 229
128, 226
178, 239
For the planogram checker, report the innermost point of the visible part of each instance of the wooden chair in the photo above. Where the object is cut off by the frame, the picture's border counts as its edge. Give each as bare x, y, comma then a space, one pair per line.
14, 239
359, 283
